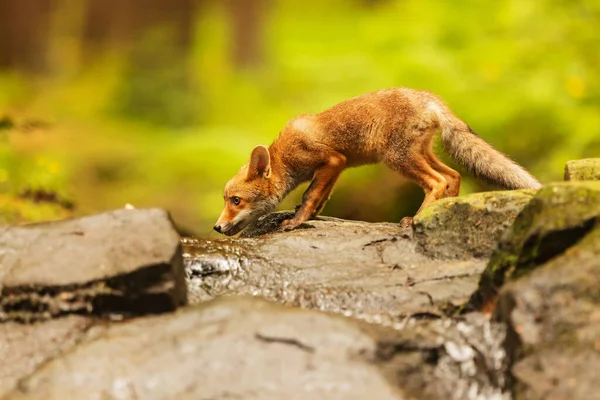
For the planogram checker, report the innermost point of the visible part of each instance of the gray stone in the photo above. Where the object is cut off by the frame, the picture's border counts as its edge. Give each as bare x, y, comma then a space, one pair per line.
468, 226
375, 271
587, 169
246, 348
558, 216
120, 262
25, 347
553, 314
542, 282
370, 271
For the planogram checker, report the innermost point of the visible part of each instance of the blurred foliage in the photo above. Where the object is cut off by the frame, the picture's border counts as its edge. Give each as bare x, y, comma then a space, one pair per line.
17, 211
155, 128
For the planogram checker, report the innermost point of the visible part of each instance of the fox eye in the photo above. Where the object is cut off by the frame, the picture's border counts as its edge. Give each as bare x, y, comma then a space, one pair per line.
236, 200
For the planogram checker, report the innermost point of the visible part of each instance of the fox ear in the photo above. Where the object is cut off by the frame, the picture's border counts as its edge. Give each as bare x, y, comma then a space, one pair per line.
260, 163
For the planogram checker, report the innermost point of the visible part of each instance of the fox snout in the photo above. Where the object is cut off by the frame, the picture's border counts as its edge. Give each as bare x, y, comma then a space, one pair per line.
235, 218
227, 228
229, 223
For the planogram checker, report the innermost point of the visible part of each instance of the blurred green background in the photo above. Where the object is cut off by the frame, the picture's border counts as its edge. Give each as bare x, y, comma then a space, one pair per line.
159, 102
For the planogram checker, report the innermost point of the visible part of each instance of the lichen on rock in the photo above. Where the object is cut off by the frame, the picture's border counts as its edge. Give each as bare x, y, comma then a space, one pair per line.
557, 217
552, 315
587, 169
468, 226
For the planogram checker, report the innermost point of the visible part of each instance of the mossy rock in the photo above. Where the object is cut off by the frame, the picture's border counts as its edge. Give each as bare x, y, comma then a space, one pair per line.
557, 217
551, 315
468, 226
587, 169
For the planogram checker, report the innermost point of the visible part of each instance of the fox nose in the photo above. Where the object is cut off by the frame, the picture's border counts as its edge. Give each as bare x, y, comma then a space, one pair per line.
217, 228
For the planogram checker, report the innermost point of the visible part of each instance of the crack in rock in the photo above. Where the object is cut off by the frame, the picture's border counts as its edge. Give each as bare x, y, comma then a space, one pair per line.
287, 341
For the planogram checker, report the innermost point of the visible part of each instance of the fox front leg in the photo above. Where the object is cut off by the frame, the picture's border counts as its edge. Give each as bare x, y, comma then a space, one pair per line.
318, 191
303, 211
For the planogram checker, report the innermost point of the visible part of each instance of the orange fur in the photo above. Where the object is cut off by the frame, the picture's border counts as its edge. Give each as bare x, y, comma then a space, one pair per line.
395, 127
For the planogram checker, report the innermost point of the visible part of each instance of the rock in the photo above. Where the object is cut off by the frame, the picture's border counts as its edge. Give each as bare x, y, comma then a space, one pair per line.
25, 347
557, 217
120, 262
468, 226
553, 313
245, 348
583, 170
271, 223
370, 271
549, 265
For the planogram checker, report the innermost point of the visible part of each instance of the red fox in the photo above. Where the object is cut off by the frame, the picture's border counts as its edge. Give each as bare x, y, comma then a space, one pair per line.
393, 126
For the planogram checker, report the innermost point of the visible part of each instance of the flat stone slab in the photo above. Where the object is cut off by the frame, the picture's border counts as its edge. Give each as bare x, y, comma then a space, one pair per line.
370, 271
25, 347
245, 348
119, 262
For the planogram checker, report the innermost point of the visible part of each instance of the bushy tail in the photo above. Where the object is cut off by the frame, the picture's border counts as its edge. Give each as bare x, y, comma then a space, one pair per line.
480, 157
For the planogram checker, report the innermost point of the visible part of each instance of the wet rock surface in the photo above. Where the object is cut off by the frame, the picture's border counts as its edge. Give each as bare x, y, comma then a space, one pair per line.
247, 348
583, 170
336, 310
370, 271
121, 262
473, 223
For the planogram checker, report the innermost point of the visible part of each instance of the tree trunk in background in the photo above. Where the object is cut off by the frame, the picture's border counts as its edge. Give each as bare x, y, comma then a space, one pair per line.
122, 24
104, 23
24, 34
246, 24
153, 38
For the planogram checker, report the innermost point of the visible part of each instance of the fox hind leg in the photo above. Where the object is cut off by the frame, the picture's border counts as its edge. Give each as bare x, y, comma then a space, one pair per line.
452, 177
417, 168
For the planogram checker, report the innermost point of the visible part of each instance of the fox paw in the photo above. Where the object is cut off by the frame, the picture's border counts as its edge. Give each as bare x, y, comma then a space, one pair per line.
406, 222
290, 224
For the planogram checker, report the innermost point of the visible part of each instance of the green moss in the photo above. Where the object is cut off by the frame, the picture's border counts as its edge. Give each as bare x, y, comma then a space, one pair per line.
561, 205
468, 226
451, 206
583, 170
559, 216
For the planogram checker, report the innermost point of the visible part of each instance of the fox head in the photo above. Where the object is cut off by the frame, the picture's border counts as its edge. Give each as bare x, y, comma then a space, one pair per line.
249, 194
